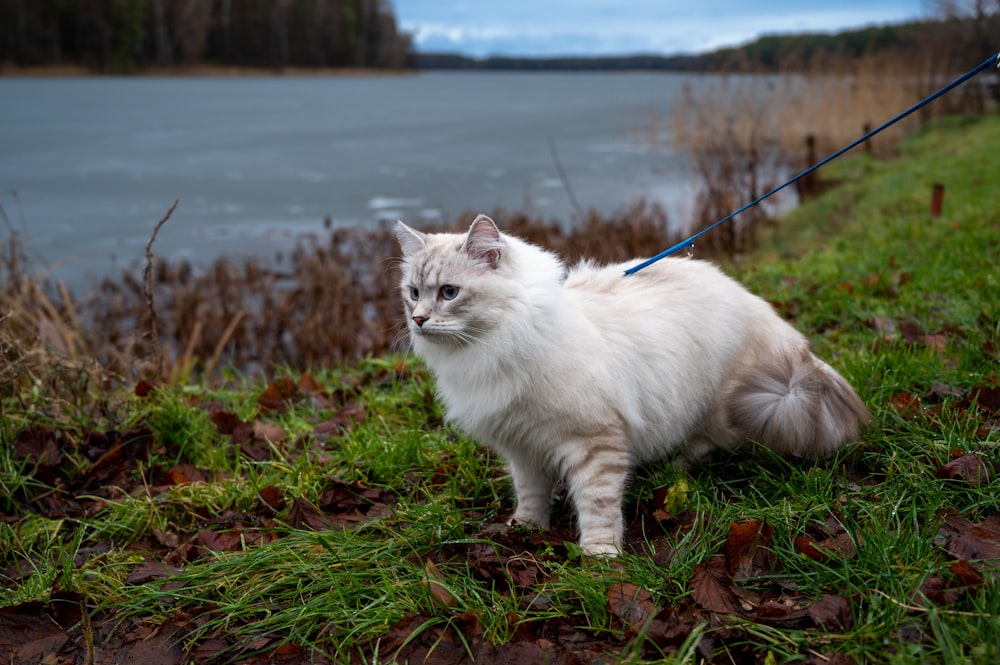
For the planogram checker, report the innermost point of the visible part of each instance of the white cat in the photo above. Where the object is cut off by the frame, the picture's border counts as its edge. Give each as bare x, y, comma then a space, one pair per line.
583, 374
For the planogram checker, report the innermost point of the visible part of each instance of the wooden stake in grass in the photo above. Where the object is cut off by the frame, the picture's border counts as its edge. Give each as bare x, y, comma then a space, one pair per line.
148, 292
937, 199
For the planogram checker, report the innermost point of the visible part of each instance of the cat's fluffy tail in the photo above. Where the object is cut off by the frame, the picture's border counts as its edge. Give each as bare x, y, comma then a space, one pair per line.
797, 406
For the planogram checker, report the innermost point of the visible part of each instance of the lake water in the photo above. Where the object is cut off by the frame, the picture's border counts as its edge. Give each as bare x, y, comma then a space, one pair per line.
89, 165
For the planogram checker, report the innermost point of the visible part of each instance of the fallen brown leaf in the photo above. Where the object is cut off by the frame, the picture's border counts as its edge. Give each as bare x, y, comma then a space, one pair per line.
278, 395
971, 542
502, 570
307, 383
940, 391
144, 389
832, 613
117, 455
906, 405
288, 653
268, 432
209, 650
229, 423
784, 612
988, 399
711, 587
969, 468
913, 334
353, 499
516, 653
271, 498
150, 570
434, 582
746, 551
304, 515
967, 573
27, 633
184, 474
841, 545
161, 648
886, 325
38, 445
632, 604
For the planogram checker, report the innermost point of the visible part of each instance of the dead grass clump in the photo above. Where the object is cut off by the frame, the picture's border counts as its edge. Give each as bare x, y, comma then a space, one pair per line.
43, 349
731, 134
747, 133
332, 304
835, 100
337, 299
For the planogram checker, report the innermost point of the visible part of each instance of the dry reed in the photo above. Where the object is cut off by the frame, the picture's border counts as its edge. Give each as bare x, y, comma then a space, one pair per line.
44, 349
337, 301
746, 133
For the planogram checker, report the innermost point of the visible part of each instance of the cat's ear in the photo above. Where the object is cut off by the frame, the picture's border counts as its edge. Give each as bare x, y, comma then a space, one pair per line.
483, 243
410, 240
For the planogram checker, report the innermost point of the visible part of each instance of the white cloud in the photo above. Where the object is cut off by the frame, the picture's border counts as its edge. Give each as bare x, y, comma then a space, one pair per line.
562, 27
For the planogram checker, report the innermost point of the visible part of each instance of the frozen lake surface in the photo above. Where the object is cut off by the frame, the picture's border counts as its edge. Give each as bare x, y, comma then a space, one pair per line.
89, 165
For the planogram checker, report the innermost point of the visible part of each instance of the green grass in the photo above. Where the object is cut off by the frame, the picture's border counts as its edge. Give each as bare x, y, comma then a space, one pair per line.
904, 305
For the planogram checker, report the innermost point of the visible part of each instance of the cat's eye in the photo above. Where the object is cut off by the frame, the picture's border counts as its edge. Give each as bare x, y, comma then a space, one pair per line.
449, 291
414, 293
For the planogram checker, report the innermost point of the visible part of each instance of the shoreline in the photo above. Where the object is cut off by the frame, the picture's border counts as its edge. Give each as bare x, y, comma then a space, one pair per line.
197, 71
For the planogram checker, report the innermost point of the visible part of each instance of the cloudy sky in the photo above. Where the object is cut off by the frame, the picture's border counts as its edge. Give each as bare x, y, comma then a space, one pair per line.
595, 27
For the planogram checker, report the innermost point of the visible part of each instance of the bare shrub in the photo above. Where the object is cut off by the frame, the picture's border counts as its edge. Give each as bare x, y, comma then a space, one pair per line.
337, 300
732, 138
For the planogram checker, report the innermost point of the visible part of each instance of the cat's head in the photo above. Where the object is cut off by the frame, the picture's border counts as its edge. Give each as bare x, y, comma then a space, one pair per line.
455, 287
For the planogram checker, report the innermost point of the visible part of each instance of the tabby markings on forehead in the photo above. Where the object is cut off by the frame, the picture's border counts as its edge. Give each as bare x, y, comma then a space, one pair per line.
429, 271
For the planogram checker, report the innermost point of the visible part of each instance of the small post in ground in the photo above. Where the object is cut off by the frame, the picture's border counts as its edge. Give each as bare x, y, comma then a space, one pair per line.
937, 199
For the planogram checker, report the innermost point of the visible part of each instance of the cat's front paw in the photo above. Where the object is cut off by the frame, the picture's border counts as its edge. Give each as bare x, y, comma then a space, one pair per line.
527, 519
605, 550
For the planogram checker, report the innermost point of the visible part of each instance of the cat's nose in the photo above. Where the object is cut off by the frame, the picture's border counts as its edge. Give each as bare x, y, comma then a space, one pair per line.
419, 320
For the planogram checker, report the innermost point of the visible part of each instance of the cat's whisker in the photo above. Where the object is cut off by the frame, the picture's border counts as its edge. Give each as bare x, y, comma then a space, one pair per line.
401, 338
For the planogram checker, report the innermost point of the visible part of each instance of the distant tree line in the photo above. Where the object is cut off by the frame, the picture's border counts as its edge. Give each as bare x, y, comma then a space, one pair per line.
128, 35
960, 36
962, 33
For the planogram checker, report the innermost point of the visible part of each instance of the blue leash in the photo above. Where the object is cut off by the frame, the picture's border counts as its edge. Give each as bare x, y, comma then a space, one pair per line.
684, 244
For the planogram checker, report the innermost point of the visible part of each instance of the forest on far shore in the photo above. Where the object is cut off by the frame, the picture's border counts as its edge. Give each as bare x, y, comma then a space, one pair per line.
125, 36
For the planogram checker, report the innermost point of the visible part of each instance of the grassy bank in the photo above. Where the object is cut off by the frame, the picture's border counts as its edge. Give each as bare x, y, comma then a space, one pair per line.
334, 517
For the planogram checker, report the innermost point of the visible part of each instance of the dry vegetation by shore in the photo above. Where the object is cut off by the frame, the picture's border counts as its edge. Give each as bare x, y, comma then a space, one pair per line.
747, 133
335, 301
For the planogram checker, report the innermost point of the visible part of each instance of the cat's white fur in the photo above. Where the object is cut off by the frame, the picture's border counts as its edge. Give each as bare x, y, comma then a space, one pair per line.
582, 374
